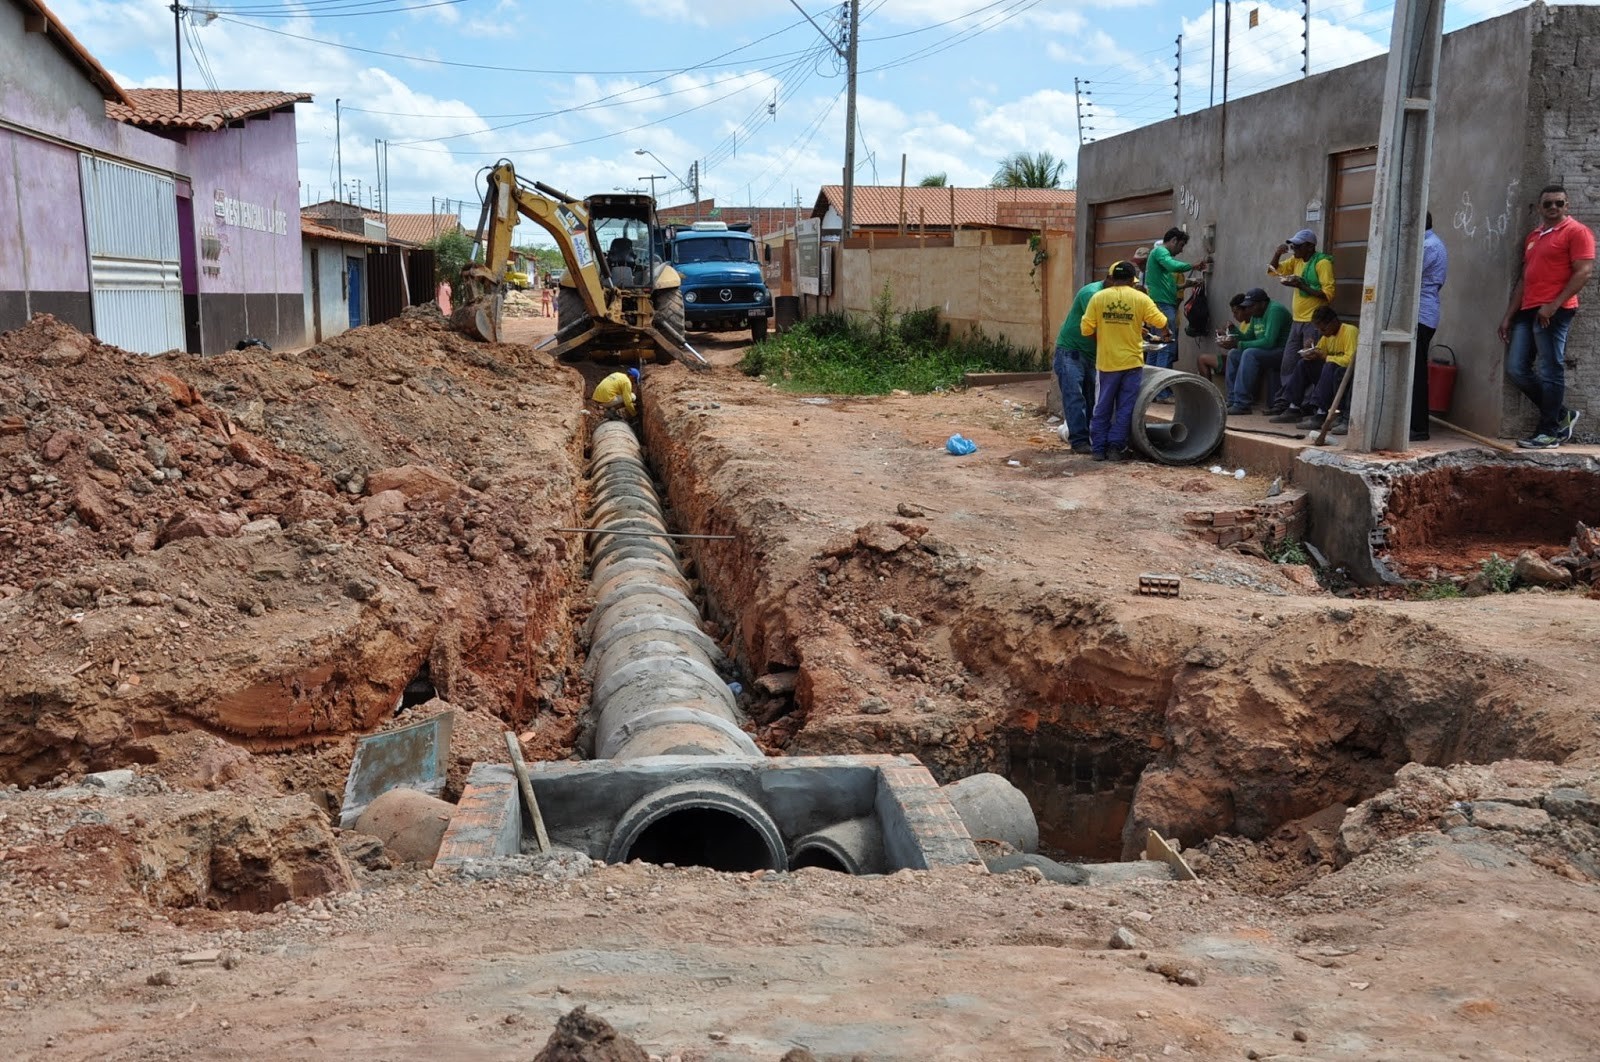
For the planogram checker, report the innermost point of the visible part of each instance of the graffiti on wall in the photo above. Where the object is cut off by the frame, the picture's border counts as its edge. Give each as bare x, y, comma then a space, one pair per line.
1491, 228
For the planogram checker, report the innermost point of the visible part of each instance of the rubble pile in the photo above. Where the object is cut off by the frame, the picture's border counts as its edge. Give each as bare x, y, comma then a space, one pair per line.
1578, 566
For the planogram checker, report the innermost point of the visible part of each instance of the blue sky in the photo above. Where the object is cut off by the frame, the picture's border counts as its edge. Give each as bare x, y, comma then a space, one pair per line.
577, 89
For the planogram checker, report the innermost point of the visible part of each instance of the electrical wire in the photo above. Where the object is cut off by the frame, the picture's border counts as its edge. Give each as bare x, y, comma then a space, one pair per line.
283, 12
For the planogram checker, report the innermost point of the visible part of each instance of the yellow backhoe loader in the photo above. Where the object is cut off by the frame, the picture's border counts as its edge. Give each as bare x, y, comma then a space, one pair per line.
619, 300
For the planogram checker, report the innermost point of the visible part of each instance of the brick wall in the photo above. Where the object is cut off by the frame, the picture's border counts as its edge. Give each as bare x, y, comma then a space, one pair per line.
1563, 129
1045, 217
1265, 523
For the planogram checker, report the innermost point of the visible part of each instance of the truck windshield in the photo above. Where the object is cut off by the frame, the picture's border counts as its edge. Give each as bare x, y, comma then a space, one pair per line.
714, 249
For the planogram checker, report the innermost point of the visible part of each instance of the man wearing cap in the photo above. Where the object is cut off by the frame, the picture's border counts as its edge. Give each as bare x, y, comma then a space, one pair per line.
1557, 260
1297, 265
1260, 351
615, 393
1116, 316
1162, 276
1074, 365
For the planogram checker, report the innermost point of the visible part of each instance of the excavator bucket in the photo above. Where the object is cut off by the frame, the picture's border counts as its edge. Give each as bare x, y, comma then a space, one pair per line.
479, 318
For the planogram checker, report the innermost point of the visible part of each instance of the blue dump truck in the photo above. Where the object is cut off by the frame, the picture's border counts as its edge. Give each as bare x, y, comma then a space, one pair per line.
723, 288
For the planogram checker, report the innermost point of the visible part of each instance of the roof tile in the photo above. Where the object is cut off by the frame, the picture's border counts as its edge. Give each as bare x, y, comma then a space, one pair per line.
202, 109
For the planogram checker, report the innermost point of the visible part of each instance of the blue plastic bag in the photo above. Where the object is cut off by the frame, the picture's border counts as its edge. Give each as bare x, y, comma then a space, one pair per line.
960, 445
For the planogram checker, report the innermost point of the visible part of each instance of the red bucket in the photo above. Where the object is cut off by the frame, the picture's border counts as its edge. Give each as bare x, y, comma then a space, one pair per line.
1441, 380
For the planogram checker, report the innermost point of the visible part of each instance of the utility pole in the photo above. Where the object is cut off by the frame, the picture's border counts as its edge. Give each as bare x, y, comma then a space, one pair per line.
1213, 102
652, 178
1381, 390
1077, 99
850, 118
177, 48
848, 54
694, 186
338, 150
1177, 95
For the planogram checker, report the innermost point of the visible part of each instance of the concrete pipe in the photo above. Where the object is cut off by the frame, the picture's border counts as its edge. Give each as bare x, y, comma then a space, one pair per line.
854, 846
1199, 415
699, 824
993, 809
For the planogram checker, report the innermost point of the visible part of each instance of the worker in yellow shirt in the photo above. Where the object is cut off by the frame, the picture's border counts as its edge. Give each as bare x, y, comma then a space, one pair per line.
1116, 317
1326, 363
614, 394
1297, 264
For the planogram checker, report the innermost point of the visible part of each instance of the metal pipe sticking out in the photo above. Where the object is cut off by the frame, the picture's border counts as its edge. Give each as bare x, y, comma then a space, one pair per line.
1199, 416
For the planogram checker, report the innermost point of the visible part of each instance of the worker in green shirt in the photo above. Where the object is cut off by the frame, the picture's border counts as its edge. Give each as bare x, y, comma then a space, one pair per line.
1261, 350
1163, 276
1074, 365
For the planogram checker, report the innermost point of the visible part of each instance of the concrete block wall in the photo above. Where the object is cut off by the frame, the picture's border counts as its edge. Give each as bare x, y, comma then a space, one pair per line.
1562, 132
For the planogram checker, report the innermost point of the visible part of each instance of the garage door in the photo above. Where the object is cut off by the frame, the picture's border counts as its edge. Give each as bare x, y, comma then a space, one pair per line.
135, 283
1349, 225
1122, 226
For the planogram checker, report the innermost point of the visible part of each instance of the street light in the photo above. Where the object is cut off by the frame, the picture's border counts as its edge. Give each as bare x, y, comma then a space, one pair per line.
681, 182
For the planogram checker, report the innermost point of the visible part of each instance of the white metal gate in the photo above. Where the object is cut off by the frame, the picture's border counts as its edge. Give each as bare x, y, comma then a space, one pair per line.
135, 278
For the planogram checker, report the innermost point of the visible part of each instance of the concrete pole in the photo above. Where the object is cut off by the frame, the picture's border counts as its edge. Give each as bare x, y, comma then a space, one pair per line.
1381, 390
850, 118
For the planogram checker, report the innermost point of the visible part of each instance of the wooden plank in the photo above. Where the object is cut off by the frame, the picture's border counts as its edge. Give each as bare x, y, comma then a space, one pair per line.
1156, 847
529, 801
996, 379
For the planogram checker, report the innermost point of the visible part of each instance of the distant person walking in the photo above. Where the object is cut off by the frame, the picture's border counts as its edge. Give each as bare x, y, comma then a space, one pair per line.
1435, 265
1163, 277
544, 295
1116, 316
1297, 265
1557, 261
1075, 368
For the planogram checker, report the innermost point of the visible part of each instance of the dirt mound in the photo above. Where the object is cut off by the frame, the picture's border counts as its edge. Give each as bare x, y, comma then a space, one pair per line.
583, 1037
273, 547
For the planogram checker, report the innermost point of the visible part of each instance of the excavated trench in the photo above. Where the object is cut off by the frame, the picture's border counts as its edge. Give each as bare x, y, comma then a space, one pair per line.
1452, 517
1107, 728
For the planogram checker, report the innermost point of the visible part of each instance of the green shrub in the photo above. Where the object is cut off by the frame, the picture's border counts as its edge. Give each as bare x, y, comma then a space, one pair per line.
453, 251
1498, 574
883, 352
1440, 591
1288, 551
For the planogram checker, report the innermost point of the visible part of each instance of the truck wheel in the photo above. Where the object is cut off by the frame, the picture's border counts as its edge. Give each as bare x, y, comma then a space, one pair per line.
569, 308
758, 329
669, 313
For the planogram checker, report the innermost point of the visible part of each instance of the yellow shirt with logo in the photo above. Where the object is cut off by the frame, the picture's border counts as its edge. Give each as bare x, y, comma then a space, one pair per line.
1116, 317
1340, 348
1307, 303
619, 385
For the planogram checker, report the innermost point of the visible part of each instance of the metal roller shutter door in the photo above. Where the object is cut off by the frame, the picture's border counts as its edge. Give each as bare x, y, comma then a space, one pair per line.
135, 282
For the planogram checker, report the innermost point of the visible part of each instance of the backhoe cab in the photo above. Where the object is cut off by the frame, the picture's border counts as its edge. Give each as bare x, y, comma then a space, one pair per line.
619, 300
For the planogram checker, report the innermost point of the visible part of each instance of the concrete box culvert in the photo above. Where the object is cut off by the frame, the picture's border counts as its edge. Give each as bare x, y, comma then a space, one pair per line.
1199, 417
702, 824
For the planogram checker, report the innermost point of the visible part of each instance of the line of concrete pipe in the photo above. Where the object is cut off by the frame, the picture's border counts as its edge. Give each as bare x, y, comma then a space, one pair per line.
656, 691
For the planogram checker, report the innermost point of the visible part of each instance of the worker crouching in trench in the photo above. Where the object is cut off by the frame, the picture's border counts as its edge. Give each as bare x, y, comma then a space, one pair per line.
615, 397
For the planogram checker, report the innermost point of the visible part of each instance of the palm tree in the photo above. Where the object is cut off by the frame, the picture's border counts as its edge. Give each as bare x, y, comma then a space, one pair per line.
1029, 170
935, 180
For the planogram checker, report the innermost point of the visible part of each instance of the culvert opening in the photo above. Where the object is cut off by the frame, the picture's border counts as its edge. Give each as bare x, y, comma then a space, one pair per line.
419, 690
704, 837
1450, 519
817, 858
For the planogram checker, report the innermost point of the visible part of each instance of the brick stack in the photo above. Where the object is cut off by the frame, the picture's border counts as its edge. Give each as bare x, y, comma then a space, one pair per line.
1266, 522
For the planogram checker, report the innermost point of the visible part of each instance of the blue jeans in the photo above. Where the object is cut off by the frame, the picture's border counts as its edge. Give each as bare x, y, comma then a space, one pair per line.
1076, 377
1113, 409
1246, 367
1537, 364
1167, 356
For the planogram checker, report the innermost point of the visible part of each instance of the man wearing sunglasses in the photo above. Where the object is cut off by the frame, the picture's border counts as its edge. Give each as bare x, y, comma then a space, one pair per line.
1557, 260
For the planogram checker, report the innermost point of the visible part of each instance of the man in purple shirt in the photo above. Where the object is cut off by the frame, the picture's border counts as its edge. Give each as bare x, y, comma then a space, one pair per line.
1435, 264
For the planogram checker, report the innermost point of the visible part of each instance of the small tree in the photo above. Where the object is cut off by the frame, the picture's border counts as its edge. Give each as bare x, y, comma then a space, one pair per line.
1029, 170
453, 252
935, 180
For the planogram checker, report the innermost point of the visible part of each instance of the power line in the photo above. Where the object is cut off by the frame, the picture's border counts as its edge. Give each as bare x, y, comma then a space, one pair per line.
328, 12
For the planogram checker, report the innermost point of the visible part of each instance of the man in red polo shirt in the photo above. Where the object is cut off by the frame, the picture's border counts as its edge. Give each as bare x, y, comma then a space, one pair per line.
1557, 260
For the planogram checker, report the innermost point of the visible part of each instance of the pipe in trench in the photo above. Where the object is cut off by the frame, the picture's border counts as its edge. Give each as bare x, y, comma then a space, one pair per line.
656, 691
1199, 417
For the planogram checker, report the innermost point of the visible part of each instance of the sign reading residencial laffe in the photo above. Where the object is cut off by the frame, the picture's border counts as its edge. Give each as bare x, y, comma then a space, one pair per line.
237, 212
